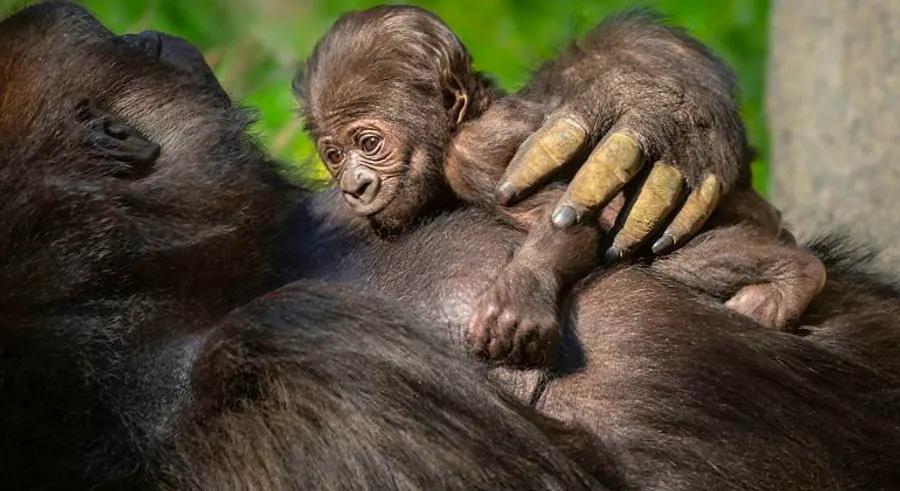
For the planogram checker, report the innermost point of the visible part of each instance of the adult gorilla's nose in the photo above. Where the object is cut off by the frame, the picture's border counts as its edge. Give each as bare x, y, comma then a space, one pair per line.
169, 49
360, 186
149, 42
180, 54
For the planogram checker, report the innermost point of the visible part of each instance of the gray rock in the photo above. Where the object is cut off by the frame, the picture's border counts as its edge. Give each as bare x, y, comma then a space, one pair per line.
833, 104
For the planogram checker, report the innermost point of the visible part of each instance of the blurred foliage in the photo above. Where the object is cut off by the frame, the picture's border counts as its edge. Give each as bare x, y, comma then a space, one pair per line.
255, 46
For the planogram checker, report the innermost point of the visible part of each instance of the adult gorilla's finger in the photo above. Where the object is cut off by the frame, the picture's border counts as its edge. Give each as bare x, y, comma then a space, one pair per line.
609, 167
657, 198
698, 207
540, 156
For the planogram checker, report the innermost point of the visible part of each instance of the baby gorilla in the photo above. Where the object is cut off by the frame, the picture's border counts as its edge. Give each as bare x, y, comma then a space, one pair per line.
406, 126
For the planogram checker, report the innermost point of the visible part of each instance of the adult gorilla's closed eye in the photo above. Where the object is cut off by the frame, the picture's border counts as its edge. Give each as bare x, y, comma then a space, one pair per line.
134, 216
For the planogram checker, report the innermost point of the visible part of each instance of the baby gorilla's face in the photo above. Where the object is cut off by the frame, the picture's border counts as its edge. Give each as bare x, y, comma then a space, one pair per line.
383, 172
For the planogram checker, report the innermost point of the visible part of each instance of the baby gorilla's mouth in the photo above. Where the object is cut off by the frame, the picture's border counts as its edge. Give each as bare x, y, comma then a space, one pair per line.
370, 196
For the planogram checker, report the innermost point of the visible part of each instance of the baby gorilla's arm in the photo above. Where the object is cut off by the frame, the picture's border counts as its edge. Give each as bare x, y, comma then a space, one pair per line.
515, 321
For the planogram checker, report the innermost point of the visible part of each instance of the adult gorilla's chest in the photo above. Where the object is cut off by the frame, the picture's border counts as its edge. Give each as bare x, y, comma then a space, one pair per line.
438, 268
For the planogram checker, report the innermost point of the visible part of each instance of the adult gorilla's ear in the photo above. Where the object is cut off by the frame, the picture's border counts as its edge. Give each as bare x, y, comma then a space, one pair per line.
128, 153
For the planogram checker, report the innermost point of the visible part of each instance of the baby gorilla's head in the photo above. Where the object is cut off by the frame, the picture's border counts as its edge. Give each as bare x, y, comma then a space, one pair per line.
382, 94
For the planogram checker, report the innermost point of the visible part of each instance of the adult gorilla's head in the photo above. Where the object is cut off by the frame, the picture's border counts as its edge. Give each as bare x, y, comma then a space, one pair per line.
125, 155
133, 211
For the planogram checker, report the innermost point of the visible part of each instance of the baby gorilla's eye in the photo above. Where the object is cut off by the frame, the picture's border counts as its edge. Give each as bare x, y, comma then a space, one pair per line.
370, 143
334, 156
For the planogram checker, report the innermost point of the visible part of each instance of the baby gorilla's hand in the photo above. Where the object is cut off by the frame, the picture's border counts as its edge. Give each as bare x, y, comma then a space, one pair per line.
515, 321
637, 101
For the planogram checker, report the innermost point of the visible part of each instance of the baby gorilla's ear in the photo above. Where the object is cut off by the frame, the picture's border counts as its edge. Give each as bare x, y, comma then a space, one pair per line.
129, 154
456, 100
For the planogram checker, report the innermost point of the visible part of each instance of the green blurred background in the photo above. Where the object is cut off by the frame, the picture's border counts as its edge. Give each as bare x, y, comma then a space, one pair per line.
255, 46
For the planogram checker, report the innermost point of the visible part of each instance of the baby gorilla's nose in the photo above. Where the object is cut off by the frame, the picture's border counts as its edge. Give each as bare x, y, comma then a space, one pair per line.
360, 187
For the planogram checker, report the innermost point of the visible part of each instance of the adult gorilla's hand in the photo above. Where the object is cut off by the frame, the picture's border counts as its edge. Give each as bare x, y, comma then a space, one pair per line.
635, 92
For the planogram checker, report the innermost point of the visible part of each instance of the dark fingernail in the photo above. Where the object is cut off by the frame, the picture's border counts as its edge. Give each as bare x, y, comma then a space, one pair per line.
505, 193
662, 244
564, 217
612, 255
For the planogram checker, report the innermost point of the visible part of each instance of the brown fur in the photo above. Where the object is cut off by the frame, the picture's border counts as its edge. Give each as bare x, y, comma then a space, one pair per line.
395, 70
687, 394
135, 380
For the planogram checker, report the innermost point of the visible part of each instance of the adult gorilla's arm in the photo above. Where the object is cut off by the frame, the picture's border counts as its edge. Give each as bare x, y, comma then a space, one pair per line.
636, 92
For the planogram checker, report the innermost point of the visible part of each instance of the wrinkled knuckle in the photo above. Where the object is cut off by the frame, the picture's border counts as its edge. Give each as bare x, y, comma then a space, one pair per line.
572, 115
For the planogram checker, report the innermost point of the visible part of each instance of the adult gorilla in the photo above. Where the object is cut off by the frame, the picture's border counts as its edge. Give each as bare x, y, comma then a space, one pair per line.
135, 212
121, 367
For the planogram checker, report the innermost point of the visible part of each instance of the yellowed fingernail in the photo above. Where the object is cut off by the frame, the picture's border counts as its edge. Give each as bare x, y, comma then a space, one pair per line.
609, 167
545, 151
656, 199
710, 190
664, 182
698, 207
